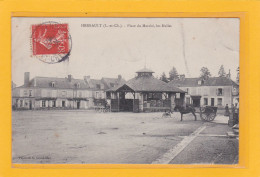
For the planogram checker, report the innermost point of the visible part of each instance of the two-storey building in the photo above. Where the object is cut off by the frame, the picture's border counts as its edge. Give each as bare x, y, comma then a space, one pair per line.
51, 92
215, 91
64, 93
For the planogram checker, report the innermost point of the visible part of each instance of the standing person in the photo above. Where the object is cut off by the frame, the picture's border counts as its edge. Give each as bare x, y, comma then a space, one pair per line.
236, 113
105, 103
227, 110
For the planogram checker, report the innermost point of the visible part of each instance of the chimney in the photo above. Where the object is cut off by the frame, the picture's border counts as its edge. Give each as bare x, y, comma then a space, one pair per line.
182, 77
229, 75
26, 78
69, 77
119, 77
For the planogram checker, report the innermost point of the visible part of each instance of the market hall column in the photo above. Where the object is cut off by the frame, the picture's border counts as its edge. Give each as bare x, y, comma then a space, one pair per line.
172, 95
141, 102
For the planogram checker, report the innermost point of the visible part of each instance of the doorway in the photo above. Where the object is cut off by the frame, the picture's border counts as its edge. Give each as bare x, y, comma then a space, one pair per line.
212, 102
196, 102
78, 104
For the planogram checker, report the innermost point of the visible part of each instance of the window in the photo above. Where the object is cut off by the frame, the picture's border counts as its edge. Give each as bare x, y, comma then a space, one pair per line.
98, 86
53, 93
80, 94
205, 101
178, 95
43, 103
52, 84
219, 101
97, 95
219, 91
25, 93
78, 85
21, 103
53, 103
30, 92
63, 93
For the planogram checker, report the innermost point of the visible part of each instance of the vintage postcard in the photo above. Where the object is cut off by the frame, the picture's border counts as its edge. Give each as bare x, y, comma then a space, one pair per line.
98, 90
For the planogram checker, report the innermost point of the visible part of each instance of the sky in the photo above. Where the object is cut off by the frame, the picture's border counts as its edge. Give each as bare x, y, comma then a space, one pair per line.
188, 44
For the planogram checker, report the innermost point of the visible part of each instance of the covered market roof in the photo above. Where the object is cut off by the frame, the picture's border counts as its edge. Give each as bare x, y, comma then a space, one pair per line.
144, 70
146, 83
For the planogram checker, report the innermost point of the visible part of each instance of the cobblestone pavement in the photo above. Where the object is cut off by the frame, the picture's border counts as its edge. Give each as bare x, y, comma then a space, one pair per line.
76, 137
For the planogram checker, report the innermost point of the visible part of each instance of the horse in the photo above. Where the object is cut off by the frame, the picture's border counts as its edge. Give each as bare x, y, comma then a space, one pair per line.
183, 110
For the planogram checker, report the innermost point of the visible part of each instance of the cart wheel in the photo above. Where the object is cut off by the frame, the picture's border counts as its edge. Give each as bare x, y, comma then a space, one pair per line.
203, 117
211, 116
202, 109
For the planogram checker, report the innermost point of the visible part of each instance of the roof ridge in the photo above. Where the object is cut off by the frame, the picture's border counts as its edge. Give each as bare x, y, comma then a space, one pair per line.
109, 78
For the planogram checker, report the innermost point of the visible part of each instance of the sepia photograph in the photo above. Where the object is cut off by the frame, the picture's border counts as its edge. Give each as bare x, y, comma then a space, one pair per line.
98, 90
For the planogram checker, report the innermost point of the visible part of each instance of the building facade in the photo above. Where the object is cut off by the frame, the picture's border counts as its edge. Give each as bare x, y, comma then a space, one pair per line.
58, 93
215, 91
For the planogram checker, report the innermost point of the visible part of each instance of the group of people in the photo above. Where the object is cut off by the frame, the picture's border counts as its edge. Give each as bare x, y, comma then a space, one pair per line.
234, 111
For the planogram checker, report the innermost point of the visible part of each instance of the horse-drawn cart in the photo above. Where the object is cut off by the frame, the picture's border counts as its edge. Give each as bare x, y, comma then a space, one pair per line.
208, 113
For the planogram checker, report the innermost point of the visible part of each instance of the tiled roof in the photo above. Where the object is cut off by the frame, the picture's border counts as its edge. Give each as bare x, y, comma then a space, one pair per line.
62, 83
94, 82
194, 82
148, 84
114, 81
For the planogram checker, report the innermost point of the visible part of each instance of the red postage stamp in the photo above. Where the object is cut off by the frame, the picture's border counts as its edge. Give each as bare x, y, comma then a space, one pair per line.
50, 39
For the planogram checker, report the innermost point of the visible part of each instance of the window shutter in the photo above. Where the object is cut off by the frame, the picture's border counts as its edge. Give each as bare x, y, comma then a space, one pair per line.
216, 91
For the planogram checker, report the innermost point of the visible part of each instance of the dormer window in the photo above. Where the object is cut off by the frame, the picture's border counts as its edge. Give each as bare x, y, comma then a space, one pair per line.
98, 86
112, 85
52, 84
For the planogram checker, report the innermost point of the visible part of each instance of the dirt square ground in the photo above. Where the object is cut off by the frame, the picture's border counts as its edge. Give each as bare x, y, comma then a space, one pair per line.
88, 137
